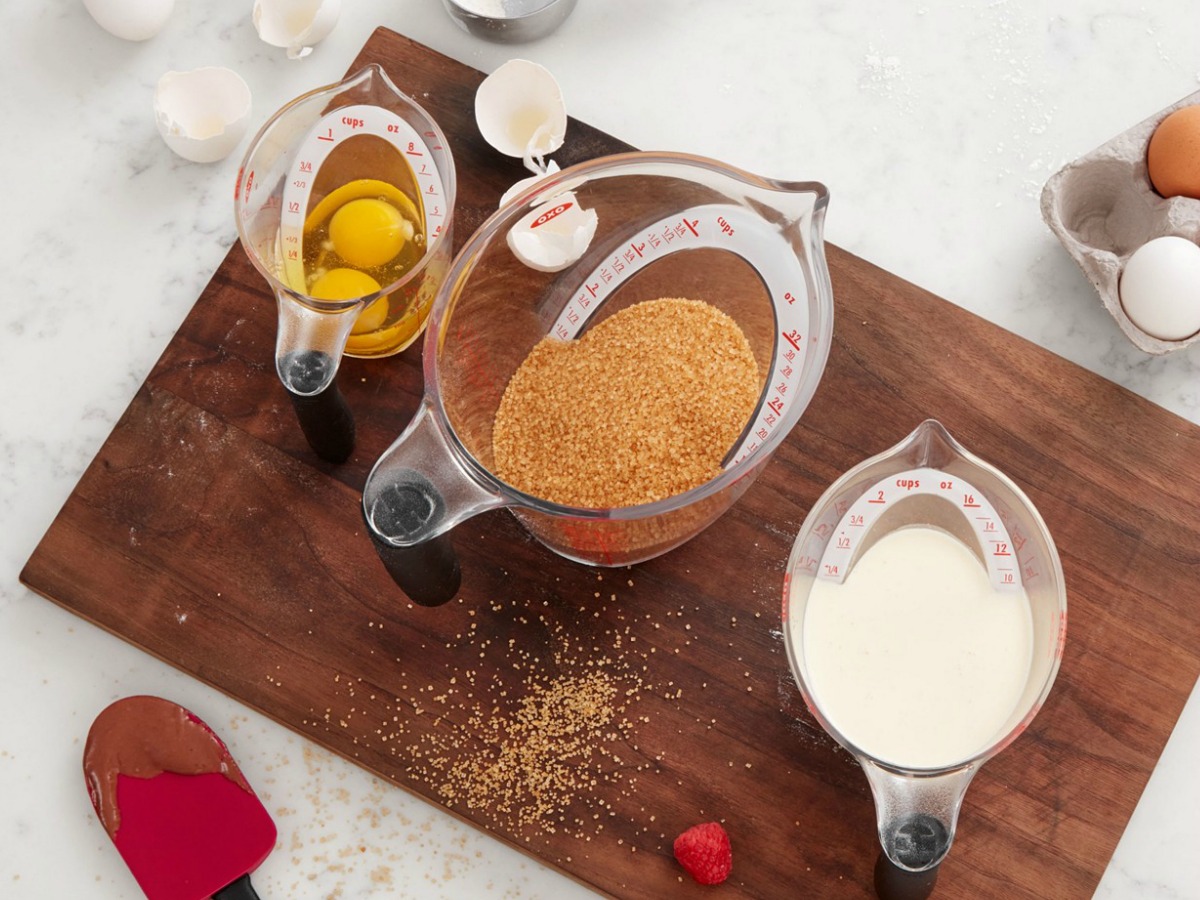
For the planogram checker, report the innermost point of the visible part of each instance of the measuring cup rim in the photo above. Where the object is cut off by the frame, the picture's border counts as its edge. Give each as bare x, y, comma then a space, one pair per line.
518, 205
795, 657
562, 178
449, 183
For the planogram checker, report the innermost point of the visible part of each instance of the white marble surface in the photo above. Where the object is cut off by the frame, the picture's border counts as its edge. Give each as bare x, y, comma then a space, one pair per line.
934, 124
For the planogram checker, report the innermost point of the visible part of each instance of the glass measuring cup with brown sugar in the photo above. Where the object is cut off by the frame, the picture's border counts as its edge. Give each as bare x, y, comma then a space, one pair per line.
574, 250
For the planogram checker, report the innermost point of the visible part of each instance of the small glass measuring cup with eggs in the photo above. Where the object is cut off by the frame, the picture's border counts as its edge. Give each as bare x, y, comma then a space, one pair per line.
345, 205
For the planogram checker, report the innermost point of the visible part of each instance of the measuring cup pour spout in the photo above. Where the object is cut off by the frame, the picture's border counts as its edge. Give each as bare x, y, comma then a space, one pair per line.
916, 814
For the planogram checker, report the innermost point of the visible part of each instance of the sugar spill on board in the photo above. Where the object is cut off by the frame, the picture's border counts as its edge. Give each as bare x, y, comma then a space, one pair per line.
548, 721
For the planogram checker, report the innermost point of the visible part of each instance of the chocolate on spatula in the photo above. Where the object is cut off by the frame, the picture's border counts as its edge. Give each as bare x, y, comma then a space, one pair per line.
175, 804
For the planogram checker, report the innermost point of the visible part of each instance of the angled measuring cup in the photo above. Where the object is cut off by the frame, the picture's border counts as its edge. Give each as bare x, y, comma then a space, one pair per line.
345, 205
924, 614
570, 251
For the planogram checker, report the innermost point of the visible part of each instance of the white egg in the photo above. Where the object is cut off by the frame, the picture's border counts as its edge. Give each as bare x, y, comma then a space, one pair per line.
203, 114
1160, 288
132, 20
520, 111
297, 25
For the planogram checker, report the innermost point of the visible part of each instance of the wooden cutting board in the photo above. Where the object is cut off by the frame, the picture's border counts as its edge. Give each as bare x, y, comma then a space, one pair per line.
206, 533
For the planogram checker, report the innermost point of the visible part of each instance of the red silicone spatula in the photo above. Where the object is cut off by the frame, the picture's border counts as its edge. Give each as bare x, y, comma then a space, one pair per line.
174, 802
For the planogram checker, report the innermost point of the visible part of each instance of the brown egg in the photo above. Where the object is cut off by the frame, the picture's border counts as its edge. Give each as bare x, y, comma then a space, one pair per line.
1173, 158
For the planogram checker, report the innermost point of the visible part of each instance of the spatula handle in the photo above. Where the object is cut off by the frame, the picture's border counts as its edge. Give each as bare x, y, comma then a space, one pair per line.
241, 889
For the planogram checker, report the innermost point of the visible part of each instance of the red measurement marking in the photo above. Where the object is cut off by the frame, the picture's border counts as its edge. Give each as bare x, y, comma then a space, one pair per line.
776, 406
878, 498
969, 502
692, 226
411, 152
327, 136
793, 337
1001, 549
857, 521
637, 249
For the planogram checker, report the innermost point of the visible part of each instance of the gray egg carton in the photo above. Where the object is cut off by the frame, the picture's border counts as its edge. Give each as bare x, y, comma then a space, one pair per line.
1102, 207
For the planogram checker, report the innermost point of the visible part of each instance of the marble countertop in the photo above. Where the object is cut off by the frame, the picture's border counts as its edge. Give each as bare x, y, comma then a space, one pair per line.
934, 124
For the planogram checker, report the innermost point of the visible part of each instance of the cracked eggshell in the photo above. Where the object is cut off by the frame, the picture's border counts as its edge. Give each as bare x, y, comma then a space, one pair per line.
1103, 207
525, 183
203, 114
520, 110
132, 20
297, 25
554, 234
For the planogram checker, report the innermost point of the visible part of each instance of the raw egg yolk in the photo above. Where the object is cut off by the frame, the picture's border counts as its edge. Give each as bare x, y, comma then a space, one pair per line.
368, 232
343, 284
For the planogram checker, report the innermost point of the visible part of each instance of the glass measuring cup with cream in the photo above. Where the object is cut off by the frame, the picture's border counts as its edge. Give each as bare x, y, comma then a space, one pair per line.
924, 614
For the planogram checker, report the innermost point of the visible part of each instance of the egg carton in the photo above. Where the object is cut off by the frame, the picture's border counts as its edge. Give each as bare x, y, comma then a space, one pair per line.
1103, 207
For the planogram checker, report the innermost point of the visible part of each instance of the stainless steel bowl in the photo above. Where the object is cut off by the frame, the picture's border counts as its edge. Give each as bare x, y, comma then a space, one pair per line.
509, 21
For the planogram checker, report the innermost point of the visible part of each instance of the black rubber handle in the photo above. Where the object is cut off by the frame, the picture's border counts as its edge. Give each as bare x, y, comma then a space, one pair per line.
407, 510
241, 889
325, 418
428, 573
918, 841
895, 883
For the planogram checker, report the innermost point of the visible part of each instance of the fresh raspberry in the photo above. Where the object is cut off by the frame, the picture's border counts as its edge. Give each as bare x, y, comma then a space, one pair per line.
704, 851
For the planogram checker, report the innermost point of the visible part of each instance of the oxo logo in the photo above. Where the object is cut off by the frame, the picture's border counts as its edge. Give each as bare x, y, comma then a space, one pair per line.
550, 214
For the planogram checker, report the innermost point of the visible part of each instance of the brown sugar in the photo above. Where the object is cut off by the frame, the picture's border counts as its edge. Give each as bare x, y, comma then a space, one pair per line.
644, 406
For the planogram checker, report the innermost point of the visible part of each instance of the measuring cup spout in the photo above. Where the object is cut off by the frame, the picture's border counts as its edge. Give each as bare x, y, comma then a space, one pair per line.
308, 349
916, 815
419, 490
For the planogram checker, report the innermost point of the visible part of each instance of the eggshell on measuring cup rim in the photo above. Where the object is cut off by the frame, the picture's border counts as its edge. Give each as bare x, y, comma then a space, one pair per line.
524, 183
520, 111
203, 114
1160, 288
297, 25
554, 234
131, 20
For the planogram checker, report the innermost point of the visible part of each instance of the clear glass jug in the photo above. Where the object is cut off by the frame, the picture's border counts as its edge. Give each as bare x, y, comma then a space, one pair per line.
654, 225
345, 204
927, 480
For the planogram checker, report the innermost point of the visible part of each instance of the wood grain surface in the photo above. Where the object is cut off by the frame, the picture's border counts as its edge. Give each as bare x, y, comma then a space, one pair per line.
206, 533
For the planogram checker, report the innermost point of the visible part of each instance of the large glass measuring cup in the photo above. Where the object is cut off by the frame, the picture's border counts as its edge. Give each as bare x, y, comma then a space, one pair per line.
649, 226
906, 658
345, 203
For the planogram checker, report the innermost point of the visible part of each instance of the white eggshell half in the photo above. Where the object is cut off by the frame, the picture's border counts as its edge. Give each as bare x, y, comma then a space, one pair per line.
524, 183
1160, 288
132, 20
298, 25
554, 234
203, 114
520, 110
